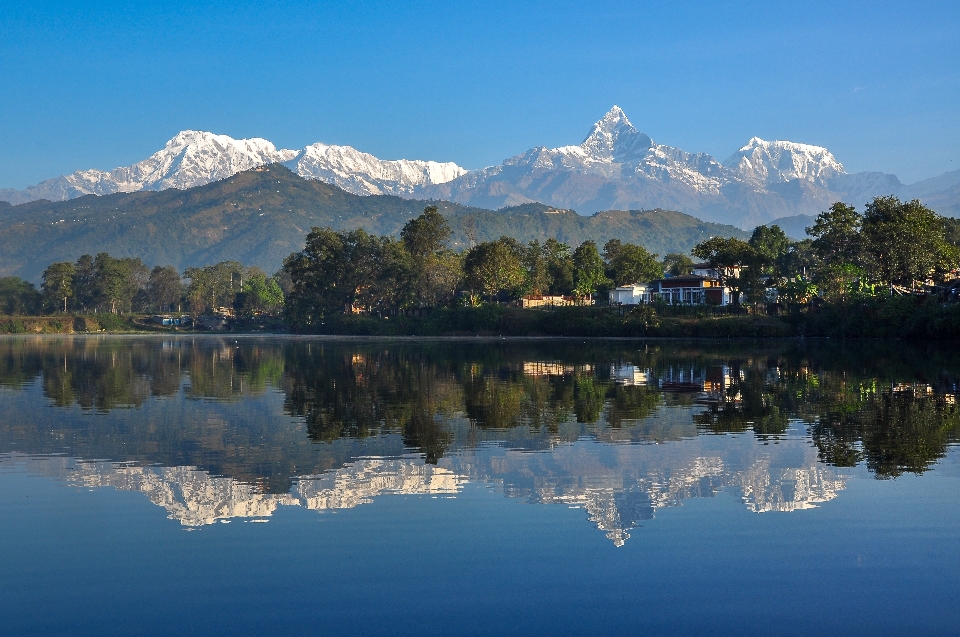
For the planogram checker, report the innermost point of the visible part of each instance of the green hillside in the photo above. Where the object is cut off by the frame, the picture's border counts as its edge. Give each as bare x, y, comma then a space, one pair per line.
260, 216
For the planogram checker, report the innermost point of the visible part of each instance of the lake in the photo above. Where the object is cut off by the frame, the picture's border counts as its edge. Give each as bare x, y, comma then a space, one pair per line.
288, 486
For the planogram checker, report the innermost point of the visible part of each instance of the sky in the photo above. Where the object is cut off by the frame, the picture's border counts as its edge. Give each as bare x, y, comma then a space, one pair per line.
105, 84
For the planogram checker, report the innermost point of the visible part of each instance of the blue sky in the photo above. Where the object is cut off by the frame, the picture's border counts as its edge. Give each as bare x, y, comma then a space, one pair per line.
104, 84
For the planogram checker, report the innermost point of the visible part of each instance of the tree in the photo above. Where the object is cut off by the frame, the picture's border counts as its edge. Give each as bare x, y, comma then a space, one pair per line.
837, 235
18, 297
260, 294
342, 272
494, 266
164, 288
904, 240
426, 234
630, 263
119, 280
58, 284
800, 260
770, 245
560, 266
588, 270
676, 264
433, 270
537, 267
213, 286
86, 284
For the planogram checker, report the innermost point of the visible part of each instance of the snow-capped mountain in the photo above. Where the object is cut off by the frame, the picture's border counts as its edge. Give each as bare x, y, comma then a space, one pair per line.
195, 158
192, 158
364, 174
616, 167
619, 167
761, 163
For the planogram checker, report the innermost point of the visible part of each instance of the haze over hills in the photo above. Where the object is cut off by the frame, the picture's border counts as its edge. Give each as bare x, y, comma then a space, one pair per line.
615, 167
261, 215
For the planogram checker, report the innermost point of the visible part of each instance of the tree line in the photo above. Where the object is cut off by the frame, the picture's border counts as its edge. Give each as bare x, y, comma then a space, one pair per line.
893, 246
102, 283
344, 272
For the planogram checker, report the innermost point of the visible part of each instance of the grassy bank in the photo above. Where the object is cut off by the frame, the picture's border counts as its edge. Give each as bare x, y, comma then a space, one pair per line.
72, 324
875, 317
494, 320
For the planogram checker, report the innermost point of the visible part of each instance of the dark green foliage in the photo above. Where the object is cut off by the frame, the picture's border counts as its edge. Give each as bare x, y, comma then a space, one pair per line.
18, 297
676, 264
164, 289
588, 270
629, 263
903, 240
493, 267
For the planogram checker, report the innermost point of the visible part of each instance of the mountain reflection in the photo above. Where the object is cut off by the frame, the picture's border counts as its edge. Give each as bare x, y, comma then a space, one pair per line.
215, 428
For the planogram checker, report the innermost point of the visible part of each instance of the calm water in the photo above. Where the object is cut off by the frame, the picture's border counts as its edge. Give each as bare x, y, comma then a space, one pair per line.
236, 486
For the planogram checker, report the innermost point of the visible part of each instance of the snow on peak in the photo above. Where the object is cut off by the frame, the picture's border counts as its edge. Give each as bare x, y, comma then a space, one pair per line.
761, 162
613, 138
363, 174
194, 158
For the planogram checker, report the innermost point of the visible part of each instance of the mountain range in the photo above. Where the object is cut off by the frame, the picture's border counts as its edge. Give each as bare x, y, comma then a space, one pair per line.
616, 167
261, 215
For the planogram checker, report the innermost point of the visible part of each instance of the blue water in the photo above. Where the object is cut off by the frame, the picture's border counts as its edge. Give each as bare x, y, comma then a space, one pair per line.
650, 528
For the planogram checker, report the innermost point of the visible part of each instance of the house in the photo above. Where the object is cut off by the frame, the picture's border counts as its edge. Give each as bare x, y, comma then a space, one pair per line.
687, 289
693, 289
635, 294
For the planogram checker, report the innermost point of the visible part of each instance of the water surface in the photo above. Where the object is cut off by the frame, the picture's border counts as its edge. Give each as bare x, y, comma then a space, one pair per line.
477, 487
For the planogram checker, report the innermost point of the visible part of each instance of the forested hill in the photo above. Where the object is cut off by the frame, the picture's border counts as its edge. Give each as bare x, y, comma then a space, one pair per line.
260, 216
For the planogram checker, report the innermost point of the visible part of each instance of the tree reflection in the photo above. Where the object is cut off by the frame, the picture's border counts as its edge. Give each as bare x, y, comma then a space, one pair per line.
891, 408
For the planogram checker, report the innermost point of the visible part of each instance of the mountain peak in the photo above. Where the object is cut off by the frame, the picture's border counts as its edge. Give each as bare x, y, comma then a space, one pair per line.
762, 162
613, 138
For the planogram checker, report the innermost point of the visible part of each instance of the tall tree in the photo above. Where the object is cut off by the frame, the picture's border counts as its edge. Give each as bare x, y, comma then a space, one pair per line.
904, 240
630, 263
560, 266
57, 285
426, 234
433, 270
770, 245
164, 288
836, 235
588, 270
18, 297
494, 266
119, 280
676, 264
213, 286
